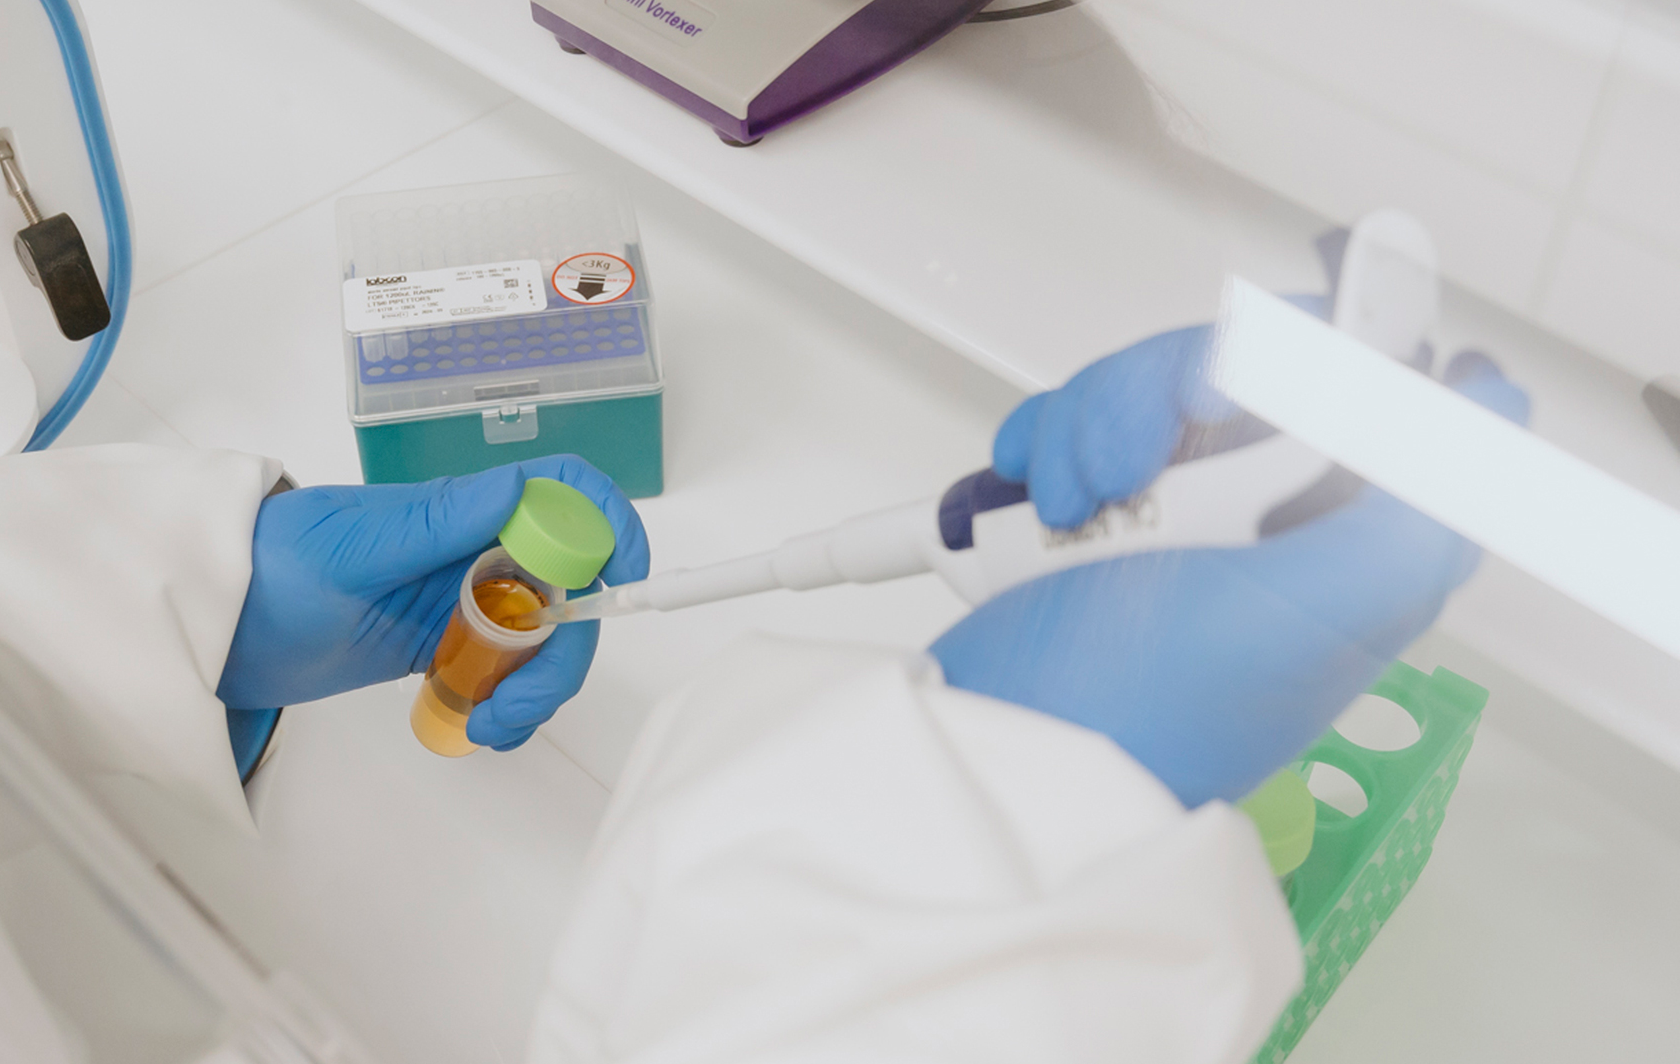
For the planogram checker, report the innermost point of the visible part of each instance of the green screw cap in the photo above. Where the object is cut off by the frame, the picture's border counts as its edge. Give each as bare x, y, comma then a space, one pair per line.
1287, 814
558, 535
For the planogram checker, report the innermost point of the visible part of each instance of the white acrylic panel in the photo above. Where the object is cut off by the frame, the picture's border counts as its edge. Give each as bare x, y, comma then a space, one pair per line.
1577, 529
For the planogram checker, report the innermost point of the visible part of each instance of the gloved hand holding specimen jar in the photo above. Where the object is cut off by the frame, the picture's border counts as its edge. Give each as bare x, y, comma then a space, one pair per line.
1213, 667
556, 541
352, 586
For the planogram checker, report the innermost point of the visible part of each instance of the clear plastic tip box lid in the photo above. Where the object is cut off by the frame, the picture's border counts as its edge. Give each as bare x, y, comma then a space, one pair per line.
475, 296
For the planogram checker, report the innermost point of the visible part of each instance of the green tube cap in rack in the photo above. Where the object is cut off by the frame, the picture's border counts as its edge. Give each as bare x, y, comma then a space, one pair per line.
1287, 814
558, 535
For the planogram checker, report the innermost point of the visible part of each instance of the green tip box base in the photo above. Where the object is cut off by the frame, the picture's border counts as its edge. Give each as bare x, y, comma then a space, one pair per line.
621, 437
1360, 867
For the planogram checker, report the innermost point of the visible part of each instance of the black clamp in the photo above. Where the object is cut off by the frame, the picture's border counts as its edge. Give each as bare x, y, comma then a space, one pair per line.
56, 259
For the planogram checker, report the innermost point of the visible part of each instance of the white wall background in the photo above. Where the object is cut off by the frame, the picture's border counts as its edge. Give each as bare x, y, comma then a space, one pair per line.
1538, 139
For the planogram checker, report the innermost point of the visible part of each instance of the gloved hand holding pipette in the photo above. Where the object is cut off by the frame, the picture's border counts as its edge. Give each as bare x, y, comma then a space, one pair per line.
1213, 667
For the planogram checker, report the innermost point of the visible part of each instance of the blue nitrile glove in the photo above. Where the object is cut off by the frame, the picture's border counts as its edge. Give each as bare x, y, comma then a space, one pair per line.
1108, 432
1212, 667
353, 586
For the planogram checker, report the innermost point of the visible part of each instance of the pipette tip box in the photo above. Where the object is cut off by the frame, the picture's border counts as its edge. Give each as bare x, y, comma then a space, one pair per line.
496, 322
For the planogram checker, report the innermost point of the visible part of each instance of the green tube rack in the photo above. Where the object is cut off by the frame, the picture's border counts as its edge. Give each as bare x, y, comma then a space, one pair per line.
1361, 867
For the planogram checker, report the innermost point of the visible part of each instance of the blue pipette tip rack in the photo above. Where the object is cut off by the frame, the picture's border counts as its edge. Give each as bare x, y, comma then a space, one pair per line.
555, 337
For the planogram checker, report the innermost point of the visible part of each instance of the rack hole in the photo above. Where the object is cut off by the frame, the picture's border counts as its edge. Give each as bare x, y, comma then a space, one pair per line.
1378, 723
1336, 789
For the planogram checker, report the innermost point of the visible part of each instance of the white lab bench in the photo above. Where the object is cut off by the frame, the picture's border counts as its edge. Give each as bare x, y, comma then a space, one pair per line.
832, 344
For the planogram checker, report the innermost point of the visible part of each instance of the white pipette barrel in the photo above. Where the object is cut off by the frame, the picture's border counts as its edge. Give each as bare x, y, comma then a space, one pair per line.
879, 546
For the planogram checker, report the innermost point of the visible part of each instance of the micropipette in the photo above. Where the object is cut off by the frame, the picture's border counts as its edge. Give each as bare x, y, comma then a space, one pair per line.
983, 535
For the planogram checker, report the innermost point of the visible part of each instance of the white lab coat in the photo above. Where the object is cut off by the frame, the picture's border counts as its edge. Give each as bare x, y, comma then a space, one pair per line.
27, 1031
816, 852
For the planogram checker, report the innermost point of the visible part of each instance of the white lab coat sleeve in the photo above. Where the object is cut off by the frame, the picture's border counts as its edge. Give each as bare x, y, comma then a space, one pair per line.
123, 569
27, 1030
822, 853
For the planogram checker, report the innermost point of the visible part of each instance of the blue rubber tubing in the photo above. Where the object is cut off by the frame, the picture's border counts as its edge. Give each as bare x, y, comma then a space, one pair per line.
84, 89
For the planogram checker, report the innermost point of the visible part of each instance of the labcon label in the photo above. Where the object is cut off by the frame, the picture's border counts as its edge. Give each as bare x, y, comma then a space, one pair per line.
441, 297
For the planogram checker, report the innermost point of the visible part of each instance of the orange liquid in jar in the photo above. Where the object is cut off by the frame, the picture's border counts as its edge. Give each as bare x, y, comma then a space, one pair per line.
465, 670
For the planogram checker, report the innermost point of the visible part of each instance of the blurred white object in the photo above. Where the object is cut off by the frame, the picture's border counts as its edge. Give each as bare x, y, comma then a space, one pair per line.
1388, 294
821, 852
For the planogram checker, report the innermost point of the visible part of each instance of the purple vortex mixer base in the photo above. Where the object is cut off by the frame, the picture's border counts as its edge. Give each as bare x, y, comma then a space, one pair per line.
526, 342
872, 41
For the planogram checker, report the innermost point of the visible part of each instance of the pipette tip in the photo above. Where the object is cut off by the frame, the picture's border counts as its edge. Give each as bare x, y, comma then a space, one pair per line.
611, 602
